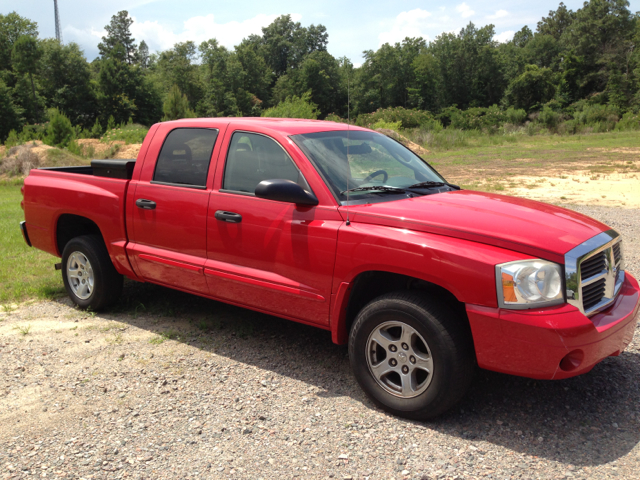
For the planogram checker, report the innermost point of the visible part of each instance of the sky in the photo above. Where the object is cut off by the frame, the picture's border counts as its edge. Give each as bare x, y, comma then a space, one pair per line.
353, 27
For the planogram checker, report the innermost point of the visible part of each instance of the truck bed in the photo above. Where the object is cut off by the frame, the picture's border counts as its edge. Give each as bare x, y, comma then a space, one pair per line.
111, 168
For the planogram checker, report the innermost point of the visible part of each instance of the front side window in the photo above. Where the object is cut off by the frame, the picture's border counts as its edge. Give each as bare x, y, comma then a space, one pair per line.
253, 158
350, 160
185, 157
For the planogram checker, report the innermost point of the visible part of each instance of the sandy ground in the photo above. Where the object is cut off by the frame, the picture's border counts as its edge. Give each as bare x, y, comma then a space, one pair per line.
616, 189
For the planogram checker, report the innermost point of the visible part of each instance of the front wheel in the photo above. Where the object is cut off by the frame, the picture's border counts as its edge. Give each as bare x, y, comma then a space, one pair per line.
412, 356
88, 274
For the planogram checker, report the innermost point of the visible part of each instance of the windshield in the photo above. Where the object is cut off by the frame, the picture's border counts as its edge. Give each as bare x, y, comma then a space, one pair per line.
373, 160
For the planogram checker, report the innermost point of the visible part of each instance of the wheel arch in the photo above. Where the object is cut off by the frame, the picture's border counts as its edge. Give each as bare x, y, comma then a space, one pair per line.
69, 226
368, 285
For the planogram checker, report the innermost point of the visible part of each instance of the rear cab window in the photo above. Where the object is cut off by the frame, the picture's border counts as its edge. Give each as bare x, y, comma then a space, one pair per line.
185, 157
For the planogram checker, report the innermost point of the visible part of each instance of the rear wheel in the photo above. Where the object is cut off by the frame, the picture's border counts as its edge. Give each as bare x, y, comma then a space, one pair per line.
412, 356
88, 274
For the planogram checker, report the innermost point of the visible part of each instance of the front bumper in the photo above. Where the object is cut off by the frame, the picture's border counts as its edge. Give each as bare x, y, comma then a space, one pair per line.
553, 343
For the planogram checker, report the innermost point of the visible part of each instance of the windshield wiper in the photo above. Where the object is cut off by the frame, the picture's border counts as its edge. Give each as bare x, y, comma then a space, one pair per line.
430, 184
378, 188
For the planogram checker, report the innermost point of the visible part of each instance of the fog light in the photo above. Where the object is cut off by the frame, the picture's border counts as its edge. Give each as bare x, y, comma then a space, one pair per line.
572, 360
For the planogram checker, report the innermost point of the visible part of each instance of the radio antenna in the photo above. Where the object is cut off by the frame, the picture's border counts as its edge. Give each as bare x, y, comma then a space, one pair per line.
348, 125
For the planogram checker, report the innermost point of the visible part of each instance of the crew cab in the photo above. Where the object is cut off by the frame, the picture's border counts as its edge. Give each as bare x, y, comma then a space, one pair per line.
347, 230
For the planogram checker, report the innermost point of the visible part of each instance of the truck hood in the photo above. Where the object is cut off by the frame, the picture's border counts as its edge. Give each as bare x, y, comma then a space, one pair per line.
517, 224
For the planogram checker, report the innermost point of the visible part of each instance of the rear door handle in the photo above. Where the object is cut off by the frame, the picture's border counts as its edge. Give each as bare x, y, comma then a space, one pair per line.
146, 204
229, 217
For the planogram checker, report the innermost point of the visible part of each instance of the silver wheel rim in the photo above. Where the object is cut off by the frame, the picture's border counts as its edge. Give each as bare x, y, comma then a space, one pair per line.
399, 359
80, 275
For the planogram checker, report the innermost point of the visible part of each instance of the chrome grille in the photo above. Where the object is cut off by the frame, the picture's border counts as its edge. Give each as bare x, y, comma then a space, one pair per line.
593, 293
594, 272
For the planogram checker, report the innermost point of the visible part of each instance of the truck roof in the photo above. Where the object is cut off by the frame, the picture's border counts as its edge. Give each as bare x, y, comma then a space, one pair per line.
289, 126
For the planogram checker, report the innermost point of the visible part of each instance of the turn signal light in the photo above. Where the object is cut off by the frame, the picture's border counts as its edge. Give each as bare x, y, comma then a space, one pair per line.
508, 288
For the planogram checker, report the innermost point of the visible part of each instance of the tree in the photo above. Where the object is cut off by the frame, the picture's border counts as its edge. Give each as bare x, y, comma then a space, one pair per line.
286, 43
177, 66
294, 107
12, 27
557, 22
601, 36
318, 74
65, 81
59, 131
10, 113
176, 105
423, 93
118, 33
532, 89
143, 54
25, 56
522, 37
470, 69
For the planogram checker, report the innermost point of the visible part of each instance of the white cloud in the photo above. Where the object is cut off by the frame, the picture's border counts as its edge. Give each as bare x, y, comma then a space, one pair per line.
199, 29
413, 23
504, 37
464, 10
498, 14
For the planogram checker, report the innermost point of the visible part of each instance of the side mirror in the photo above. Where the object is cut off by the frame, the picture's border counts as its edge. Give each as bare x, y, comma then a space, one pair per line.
285, 191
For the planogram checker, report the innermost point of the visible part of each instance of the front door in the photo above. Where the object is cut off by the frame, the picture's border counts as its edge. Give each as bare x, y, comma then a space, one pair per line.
273, 256
169, 210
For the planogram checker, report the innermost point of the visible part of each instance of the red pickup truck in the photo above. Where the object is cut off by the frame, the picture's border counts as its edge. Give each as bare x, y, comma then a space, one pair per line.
347, 230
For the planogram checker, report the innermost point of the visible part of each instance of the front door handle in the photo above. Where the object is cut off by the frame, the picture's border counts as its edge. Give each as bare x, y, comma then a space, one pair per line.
146, 204
229, 217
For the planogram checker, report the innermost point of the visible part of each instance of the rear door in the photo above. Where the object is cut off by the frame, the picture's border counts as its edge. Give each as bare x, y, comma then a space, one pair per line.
272, 256
169, 207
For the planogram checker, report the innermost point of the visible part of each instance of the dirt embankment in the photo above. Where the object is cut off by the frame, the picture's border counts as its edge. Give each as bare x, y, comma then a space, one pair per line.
102, 150
18, 160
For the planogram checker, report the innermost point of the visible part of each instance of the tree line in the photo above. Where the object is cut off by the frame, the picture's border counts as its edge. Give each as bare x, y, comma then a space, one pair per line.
573, 61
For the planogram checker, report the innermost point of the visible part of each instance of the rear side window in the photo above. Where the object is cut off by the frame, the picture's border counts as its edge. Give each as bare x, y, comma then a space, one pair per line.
253, 158
185, 157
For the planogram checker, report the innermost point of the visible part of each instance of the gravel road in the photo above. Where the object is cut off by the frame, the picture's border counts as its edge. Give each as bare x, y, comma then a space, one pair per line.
173, 386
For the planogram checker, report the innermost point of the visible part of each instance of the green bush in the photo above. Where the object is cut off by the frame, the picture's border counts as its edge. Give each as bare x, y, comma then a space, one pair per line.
96, 130
34, 132
132, 133
408, 118
549, 118
59, 131
12, 140
591, 115
629, 121
570, 127
294, 107
74, 148
515, 116
477, 118
395, 126
332, 117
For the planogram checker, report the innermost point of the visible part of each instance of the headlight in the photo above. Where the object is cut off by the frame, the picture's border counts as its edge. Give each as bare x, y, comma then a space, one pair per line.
529, 284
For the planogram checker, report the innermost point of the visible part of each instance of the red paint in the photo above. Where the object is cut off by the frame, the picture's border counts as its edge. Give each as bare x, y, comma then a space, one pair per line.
300, 262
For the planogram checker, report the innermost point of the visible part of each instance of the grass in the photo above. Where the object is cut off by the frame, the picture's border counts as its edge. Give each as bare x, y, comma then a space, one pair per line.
23, 330
170, 334
24, 272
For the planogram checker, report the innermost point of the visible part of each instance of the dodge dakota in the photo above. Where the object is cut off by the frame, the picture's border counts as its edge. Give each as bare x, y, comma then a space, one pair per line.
347, 230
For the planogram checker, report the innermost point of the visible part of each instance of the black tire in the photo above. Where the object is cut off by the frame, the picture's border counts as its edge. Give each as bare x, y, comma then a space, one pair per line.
106, 281
449, 346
